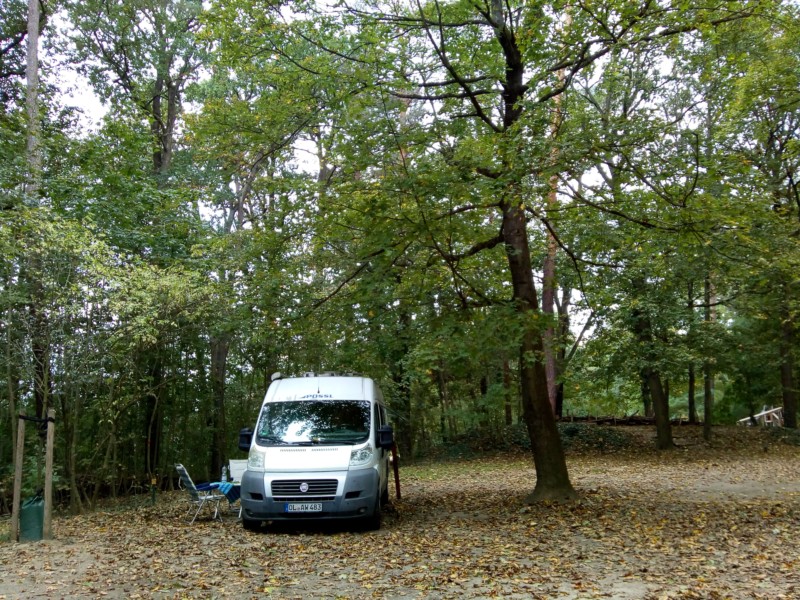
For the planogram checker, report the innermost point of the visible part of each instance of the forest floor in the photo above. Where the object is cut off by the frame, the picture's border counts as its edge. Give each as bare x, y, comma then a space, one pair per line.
706, 521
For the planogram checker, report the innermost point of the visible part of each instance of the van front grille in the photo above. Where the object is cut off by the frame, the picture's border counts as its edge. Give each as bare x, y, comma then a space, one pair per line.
306, 498
291, 487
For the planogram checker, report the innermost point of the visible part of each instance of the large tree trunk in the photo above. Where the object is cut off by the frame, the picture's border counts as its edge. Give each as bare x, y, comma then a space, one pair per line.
552, 478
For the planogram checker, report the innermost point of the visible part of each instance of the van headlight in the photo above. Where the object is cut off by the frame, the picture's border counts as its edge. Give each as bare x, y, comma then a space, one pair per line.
255, 460
361, 456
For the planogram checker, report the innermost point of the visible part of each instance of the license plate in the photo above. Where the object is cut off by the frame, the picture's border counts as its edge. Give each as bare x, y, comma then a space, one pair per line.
294, 507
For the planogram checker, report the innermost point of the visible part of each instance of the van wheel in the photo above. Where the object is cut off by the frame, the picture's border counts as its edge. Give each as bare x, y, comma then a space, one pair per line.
385, 495
250, 524
373, 522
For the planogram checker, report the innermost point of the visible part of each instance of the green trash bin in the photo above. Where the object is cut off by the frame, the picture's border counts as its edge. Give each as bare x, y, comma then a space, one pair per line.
31, 519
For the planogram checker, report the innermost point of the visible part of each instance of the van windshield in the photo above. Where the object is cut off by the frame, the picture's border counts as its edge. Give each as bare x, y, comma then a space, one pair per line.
314, 422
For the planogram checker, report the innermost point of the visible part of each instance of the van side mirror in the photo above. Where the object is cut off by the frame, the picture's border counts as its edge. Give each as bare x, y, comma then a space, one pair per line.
385, 437
245, 439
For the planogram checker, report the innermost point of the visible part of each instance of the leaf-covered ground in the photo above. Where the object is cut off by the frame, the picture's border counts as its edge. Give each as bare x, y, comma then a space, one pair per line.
703, 522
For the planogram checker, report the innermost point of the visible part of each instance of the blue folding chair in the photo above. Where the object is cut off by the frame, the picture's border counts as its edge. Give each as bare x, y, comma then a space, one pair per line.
232, 492
200, 495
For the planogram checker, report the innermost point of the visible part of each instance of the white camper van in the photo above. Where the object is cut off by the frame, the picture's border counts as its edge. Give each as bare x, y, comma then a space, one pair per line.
320, 450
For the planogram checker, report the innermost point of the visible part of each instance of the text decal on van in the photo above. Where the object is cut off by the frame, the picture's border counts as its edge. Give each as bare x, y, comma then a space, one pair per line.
316, 396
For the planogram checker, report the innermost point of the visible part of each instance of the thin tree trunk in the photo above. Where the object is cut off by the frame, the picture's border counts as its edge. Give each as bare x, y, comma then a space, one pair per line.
32, 105
647, 397
12, 385
652, 379
561, 355
509, 414
220, 346
153, 414
548, 304
441, 387
549, 267
708, 374
691, 391
788, 388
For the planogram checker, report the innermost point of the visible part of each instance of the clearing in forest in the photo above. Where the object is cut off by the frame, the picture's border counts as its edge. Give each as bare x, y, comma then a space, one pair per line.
703, 522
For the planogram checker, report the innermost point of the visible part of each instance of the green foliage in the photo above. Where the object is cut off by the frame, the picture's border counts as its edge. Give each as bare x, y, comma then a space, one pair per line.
332, 201
13, 30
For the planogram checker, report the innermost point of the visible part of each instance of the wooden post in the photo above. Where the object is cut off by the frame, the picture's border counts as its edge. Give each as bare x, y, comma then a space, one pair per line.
18, 479
47, 526
396, 467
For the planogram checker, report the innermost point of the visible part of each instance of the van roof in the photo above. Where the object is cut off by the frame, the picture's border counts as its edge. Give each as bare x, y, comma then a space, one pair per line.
325, 387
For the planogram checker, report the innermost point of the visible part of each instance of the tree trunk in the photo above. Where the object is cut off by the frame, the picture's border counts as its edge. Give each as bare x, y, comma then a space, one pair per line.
708, 375
153, 414
652, 379
561, 355
661, 409
552, 478
789, 391
40, 349
691, 391
220, 345
647, 397
551, 340
12, 383
548, 307
691, 394
32, 105
402, 404
442, 393
509, 414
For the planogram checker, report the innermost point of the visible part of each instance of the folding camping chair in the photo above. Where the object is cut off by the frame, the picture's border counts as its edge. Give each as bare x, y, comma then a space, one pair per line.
200, 496
236, 469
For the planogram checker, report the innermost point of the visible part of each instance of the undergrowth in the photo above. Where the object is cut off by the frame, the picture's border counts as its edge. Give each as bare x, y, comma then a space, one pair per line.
575, 437
786, 436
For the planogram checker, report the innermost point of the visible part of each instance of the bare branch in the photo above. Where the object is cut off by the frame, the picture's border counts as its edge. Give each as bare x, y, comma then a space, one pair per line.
479, 247
465, 208
458, 96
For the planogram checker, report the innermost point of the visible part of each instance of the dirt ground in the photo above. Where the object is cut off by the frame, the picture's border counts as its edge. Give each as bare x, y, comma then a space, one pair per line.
706, 521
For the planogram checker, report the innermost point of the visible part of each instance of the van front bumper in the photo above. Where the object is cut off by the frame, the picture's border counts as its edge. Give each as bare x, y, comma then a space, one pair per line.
267, 496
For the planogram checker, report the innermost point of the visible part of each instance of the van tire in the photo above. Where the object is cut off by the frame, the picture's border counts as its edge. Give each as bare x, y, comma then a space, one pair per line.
385, 495
373, 522
250, 524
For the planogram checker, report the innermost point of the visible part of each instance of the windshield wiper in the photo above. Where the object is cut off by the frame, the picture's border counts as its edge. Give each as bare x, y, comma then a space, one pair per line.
272, 439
